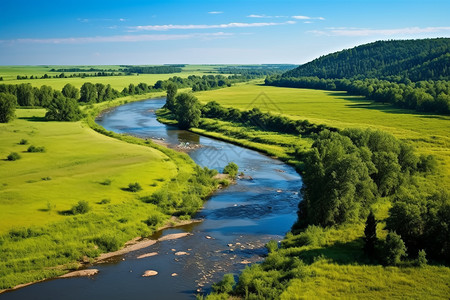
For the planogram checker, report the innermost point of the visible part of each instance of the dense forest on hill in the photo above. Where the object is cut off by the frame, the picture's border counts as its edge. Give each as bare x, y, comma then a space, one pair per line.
427, 59
410, 74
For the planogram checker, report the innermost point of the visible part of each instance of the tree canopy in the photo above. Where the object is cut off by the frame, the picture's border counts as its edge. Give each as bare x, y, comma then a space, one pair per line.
7, 107
188, 111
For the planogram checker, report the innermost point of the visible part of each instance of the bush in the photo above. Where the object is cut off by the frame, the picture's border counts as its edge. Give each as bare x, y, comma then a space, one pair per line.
154, 220
105, 201
23, 142
231, 169
107, 243
421, 258
106, 182
81, 207
395, 248
134, 187
272, 246
13, 156
225, 285
33, 148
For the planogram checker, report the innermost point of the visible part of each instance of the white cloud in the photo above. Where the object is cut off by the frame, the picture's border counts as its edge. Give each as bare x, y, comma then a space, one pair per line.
214, 26
308, 18
264, 16
351, 31
120, 38
215, 12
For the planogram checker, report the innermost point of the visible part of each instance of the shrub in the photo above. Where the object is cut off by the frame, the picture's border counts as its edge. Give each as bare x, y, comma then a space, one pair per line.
154, 220
421, 258
81, 207
33, 148
272, 246
395, 248
231, 169
107, 243
225, 285
23, 142
13, 156
105, 201
134, 187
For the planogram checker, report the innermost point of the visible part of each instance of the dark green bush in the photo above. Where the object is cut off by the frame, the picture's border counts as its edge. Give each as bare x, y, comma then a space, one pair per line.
81, 207
33, 148
225, 285
13, 156
107, 243
134, 187
231, 169
23, 142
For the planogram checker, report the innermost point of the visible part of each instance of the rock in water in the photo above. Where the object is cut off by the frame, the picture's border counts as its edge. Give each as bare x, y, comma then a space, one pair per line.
149, 273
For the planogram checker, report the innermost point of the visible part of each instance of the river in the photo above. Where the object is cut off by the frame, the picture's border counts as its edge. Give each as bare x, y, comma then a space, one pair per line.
238, 221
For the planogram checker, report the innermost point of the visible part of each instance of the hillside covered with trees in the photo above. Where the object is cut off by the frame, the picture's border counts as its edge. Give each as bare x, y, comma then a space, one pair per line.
411, 74
427, 59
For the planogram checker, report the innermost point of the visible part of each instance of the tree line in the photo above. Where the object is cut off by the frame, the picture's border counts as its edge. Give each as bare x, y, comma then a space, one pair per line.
423, 96
63, 75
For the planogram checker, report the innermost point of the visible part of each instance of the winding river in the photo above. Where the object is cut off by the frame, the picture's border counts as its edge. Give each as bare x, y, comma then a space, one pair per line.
238, 221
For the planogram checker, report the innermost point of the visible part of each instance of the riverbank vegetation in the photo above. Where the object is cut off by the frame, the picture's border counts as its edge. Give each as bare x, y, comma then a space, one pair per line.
347, 173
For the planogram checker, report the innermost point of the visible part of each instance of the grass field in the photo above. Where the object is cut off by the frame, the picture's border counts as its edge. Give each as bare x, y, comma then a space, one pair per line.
77, 160
428, 133
9, 74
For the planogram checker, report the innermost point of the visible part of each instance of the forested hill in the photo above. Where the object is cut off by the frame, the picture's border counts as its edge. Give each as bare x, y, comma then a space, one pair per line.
426, 59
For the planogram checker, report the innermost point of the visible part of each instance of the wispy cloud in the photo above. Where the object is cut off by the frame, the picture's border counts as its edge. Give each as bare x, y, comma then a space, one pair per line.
214, 26
265, 16
85, 20
120, 38
343, 31
308, 18
215, 12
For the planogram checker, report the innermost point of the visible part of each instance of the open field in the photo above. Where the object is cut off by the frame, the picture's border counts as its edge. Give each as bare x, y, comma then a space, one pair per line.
9, 74
427, 132
35, 188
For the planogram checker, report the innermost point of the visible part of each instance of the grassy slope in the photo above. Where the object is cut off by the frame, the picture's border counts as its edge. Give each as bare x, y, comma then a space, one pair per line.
427, 132
77, 159
9, 74
341, 271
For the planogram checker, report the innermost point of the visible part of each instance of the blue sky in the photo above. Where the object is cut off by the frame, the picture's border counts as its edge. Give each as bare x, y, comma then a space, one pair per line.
205, 32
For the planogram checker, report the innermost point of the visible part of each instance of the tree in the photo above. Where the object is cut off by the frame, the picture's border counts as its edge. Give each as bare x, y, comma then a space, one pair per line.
188, 111
370, 234
171, 93
45, 95
231, 169
7, 107
63, 109
88, 92
25, 95
395, 248
225, 285
69, 91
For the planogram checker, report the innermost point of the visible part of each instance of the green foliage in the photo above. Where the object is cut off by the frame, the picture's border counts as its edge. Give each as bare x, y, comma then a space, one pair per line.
154, 220
231, 169
33, 148
170, 98
107, 243
23, 142
106, 182
421, 258
69, 91
415, 59
63, 109
187, 111
225, 285
394, 249
272, 246
13, 156
88, 93
134, 187
81, 207
7, 107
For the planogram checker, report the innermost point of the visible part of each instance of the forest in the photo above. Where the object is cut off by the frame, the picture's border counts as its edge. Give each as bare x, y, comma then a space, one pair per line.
411, 74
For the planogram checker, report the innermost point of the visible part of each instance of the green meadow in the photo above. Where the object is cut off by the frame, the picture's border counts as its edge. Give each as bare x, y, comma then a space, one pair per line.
75, 166
9, 74
428, 133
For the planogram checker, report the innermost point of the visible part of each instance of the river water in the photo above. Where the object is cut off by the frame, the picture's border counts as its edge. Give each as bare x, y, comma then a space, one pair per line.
238, 221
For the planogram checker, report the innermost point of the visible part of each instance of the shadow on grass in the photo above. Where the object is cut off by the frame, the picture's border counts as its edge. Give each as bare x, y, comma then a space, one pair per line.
65, 212
340, 253
34, 119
